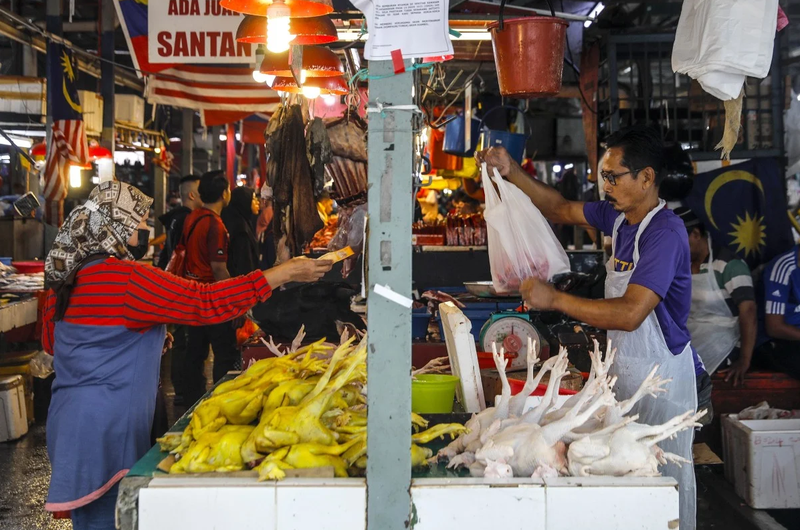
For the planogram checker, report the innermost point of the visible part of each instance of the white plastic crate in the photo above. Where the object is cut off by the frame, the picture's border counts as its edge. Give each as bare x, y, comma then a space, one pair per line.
13, 413
129, 110
762, 460
92, 104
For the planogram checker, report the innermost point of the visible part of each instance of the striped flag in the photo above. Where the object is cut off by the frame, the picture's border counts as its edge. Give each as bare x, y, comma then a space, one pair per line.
219, 88
68, 139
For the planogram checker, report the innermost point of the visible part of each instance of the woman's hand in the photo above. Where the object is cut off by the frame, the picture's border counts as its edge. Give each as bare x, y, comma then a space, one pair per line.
297, 270
168, 341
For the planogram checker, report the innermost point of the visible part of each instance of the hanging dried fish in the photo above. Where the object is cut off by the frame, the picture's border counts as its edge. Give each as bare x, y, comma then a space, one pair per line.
319, 153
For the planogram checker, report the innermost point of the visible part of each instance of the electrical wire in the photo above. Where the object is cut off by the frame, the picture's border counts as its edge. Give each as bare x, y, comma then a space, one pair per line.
575, 69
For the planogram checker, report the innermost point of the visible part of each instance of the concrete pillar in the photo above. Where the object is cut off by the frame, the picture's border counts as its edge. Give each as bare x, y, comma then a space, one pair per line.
160, 178
389, 322
214, 157
187, 142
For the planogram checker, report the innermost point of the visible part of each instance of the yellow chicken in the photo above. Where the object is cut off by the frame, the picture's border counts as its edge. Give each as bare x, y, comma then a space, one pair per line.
303, 456
214, 451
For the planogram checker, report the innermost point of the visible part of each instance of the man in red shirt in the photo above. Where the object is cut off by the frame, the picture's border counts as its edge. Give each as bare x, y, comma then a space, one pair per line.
206, 242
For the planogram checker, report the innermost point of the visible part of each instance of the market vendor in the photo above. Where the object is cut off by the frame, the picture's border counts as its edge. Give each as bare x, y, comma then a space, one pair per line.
648, 287
780, 348
104, 323
722, 319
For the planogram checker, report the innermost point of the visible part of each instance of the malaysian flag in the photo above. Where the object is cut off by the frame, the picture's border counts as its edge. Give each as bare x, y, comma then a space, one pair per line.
68, 138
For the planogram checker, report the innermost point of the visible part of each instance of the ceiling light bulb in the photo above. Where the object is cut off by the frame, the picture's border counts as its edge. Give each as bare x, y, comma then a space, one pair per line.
269, 80
556, 169
329, 99
311, 92
303, 76
259, 77
278, 36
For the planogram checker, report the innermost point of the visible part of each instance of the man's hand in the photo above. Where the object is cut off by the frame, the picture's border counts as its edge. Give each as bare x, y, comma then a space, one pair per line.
537, 294
168, 341
496, 158
736, 372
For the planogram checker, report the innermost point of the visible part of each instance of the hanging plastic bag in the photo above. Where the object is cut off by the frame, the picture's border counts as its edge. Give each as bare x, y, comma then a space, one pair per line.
720, 43
521, 243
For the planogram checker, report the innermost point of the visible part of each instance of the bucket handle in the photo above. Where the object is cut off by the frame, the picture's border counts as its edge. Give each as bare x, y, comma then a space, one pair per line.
510, 107
503, 7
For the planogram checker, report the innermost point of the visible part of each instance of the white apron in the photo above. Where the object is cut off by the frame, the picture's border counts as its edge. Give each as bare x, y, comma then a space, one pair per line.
714, 329
637, 352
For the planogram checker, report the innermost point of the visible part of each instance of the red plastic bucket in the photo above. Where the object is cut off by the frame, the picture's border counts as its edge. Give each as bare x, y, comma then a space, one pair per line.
28, 267
529, 56
517, 385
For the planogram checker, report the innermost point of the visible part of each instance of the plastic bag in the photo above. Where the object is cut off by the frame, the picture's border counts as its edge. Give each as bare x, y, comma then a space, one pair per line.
41, 365
350, 234
720, 43
521, 243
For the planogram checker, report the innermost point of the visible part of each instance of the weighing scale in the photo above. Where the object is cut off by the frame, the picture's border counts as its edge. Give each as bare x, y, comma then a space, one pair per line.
510, 330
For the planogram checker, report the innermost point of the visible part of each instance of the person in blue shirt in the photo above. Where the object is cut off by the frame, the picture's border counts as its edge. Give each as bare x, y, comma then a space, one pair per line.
781, 280
648, 287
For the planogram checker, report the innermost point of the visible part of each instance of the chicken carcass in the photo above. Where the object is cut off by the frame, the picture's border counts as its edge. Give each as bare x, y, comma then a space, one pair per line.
530, 448
627, 448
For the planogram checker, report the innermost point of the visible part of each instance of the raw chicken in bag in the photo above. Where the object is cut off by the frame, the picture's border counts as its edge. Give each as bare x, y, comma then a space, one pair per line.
521, 243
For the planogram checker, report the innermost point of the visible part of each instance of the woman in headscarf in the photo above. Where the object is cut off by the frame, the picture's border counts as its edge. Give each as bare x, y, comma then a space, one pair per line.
264, 233
239, 217
104, 323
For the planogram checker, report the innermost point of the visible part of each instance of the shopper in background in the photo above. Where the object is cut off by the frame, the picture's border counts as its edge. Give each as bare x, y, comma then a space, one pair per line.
264, 233
239, 219
173, 220
782, 314
722, 318
103, 322
206, 241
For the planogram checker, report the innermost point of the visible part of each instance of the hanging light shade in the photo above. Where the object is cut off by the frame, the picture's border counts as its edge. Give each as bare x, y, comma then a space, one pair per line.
438, 59
317, 62
97, 151
39, 150
313, 87
306, 31
298, 8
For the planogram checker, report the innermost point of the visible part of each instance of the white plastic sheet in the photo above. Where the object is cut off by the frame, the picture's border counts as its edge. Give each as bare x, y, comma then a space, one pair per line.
721, 42
521, 243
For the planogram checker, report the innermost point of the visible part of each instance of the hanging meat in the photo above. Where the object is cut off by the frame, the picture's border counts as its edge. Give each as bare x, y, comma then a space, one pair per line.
348, 171
296, 219
319, 153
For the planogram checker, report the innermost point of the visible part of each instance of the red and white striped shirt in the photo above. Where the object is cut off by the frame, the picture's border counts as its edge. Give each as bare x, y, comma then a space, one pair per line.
125, 293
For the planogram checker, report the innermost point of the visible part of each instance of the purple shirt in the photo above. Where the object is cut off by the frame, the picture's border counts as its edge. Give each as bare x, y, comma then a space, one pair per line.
664, 267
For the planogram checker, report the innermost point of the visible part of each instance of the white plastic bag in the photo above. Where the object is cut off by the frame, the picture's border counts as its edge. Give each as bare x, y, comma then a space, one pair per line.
521, 243
720, 42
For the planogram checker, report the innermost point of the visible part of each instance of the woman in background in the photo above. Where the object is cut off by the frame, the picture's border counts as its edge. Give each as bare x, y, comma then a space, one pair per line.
239, 218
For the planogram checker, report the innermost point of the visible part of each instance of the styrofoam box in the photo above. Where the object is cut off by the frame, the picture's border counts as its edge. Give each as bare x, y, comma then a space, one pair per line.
762, 459
13, 413
92, 104
129, 109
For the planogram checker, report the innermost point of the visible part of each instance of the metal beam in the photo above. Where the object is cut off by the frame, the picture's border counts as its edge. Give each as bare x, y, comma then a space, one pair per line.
187, 142
389, 323
108, 17
9, 29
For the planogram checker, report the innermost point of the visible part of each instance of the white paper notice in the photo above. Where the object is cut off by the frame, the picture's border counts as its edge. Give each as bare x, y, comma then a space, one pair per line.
418, 28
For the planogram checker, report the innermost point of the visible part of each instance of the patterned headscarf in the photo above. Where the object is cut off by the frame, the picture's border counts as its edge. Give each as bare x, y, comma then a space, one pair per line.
101, 226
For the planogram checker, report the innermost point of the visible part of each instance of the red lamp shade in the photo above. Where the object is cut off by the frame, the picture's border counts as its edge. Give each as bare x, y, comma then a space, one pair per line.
97, 152
299, 8
335, 86
438, 59
307, 31
317, 62
39, 149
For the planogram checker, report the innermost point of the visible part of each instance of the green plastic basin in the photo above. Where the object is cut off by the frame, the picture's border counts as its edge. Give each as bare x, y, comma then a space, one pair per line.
433, 393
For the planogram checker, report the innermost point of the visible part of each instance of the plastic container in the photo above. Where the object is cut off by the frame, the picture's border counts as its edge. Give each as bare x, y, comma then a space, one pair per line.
433, 393
486, 360
761, 460
420, 318
13, 413
529, 56
517, 385
477, 317
455, 137
513, 142
28, 267
6, 261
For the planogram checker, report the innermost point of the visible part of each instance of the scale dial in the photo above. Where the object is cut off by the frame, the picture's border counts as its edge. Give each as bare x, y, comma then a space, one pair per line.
511, 333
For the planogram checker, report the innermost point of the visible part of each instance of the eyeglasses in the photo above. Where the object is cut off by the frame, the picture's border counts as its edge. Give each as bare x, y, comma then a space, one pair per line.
612, 177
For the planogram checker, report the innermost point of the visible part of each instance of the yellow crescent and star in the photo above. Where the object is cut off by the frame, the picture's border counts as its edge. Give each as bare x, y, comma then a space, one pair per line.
749, 233
66, 66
